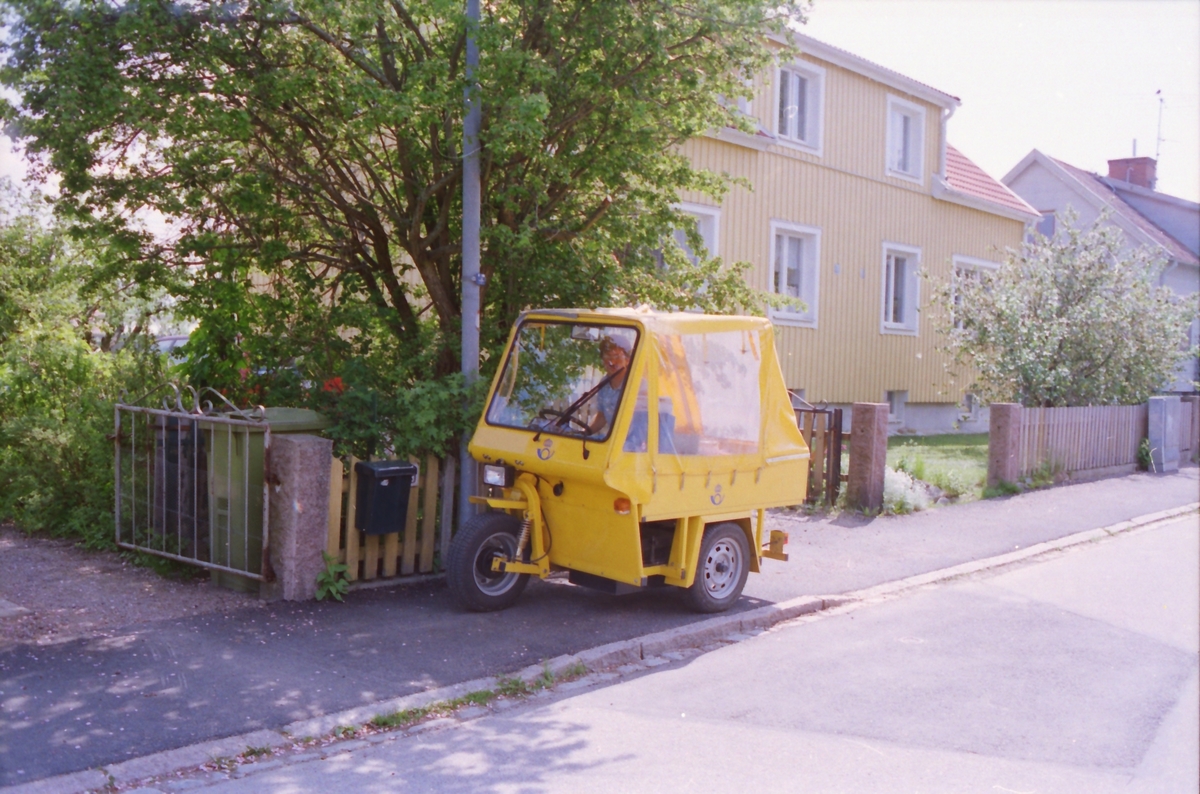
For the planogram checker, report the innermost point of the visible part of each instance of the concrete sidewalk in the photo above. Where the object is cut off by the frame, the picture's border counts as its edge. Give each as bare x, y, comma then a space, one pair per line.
157, 687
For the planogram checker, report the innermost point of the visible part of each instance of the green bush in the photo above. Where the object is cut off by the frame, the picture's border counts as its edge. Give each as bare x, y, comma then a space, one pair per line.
952, 483
56, 418
1144, 459
67, 352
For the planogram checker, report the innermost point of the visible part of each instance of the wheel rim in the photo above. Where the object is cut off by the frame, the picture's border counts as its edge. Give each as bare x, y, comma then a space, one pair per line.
722, 568
489, 582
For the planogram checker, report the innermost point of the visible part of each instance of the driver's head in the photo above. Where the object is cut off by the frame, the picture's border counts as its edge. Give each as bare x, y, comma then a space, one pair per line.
614, 354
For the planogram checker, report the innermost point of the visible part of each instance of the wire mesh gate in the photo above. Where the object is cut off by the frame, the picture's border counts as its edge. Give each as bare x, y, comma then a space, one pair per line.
822, 431
191, 483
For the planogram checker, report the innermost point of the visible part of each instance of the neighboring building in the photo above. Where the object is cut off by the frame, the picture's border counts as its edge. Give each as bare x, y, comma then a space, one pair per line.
855, 192
1170, 225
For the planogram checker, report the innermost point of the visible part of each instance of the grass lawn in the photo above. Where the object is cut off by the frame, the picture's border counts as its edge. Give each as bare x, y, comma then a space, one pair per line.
953, 462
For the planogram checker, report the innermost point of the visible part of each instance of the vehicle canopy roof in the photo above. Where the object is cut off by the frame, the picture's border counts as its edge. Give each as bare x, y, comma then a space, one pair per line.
706, 391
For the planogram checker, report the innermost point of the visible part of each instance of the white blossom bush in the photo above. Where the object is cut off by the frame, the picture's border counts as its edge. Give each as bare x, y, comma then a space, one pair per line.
901, 493
1073, 319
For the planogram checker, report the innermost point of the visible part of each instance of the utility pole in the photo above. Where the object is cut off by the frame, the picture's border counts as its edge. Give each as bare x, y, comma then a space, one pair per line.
472, 279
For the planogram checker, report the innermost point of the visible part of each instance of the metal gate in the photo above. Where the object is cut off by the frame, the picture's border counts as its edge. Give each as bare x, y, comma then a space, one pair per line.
191, 482
822, 431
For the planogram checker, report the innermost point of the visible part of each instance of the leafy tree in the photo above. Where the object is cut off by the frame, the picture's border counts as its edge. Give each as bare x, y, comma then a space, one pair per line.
312, 150
1075, 319
67, 351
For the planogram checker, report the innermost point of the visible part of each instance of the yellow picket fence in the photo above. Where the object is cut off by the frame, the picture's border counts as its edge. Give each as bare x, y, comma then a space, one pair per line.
410, 551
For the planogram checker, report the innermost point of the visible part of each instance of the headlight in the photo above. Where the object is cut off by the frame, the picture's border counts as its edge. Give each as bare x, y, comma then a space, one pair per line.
498, 476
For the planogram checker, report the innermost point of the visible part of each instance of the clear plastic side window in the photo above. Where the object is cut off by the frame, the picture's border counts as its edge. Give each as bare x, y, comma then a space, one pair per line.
639, 426
709, 402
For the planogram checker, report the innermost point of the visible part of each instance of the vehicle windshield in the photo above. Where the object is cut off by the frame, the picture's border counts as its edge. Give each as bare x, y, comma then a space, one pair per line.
564, 378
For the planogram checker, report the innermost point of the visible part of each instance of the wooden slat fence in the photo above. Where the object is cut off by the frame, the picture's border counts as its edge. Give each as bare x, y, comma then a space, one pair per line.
402, 553
1069, 440
822, 431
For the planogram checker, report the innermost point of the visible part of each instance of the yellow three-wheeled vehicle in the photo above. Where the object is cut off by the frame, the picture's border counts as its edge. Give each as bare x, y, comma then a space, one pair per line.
632, 449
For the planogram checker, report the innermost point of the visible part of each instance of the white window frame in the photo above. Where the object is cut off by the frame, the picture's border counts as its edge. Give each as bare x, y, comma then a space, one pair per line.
700, 211
814, 108
911, 285
961, 264
916, 154
810, 274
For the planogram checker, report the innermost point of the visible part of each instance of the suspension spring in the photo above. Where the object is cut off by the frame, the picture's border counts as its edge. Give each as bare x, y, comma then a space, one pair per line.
523, 538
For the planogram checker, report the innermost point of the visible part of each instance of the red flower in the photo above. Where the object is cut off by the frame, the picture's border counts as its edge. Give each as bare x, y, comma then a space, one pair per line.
334, 385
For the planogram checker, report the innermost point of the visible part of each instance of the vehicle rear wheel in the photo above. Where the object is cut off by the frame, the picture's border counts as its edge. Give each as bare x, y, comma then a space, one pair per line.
469, 572
722, 569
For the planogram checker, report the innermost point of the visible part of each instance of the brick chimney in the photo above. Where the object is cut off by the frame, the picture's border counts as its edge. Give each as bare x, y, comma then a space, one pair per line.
1138, 171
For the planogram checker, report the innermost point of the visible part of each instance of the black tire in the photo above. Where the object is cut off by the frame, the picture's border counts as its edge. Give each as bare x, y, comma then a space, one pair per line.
469, 572
721, 569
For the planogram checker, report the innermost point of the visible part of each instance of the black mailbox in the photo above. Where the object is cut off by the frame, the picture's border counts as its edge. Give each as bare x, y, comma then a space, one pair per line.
381, 504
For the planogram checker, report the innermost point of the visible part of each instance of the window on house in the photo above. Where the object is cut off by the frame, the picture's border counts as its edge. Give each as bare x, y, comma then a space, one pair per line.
795, 257
900, 289
707, 223
743, 103
896, 401
970, 404
966, 270
799, 118
906, 138
1045, 226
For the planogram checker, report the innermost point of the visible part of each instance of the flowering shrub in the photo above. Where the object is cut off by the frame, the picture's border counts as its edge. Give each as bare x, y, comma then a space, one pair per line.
1074, 319
901, 493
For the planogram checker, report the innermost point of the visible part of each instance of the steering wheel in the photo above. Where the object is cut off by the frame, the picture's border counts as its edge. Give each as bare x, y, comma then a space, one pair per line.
561, 418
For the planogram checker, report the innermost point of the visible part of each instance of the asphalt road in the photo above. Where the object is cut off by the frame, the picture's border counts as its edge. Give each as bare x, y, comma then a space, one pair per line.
1074, 674
160, 686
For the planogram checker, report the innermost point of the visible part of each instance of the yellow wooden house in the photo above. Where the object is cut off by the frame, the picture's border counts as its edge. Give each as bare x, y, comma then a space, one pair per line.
854, 192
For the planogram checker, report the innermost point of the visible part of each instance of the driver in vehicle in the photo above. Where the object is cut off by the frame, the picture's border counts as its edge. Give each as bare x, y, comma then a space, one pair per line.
614, 354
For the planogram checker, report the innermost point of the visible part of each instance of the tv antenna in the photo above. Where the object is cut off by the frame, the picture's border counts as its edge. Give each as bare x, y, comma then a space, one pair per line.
1158, 141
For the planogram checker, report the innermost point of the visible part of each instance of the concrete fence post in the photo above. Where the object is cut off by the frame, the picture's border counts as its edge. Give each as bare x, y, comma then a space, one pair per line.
1190, 405
868, 455
299, 523
1004, 440
1163, 431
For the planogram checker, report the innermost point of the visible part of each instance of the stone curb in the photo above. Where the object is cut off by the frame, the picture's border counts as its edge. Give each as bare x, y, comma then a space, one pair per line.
192, 755
728, 628
10, 610
319, 726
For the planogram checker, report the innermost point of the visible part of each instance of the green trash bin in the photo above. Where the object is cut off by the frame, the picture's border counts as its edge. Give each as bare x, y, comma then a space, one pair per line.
235, 490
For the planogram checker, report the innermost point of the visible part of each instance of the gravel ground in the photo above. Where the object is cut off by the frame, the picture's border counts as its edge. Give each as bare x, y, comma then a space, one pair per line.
71, 592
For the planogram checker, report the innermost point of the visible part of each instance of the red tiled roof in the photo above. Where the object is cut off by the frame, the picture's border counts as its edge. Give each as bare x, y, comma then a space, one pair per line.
1099, 186
966, 177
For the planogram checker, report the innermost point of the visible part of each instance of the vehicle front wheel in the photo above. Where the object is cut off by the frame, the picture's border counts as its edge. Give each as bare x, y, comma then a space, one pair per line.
722, 569
469, 572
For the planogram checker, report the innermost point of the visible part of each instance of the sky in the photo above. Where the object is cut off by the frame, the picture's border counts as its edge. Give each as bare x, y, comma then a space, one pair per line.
1075, 79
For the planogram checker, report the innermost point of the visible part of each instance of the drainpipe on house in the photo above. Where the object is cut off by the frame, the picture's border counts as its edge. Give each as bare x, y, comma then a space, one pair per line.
945, 118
